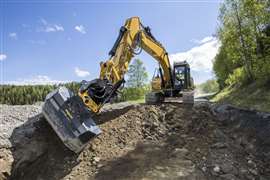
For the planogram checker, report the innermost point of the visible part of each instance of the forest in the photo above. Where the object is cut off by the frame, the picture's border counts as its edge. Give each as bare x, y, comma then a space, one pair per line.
30, 94
244, 33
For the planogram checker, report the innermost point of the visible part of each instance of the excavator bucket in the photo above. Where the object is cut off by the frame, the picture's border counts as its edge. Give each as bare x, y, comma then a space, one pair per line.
69, 118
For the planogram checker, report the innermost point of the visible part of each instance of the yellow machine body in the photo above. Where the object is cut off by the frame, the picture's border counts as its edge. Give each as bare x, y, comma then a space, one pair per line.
133, 35
71, 115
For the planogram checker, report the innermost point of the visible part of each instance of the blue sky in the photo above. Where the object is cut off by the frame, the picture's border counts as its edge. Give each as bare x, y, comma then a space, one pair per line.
52, 41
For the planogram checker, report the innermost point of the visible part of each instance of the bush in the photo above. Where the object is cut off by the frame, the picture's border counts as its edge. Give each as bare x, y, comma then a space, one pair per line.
237, 77
133, 93
209, 86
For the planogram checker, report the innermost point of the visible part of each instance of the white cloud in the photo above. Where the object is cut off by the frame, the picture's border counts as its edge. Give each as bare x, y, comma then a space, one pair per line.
53, 28
3, 57
200, 57
81, 73
36, 80
47, 27
13, 35
204, 40
80, 29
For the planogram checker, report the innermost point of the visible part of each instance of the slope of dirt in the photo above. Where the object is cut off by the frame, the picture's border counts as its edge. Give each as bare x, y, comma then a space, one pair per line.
249, 96
169, 141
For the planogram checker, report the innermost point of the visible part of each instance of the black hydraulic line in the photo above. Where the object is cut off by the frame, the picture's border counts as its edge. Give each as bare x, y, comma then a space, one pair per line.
114, 90
186, 78
170, 71
118, 40
148, 32
161, 76
171, 77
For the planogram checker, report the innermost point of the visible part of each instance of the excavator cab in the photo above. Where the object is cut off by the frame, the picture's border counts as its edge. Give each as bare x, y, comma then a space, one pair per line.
182, 83
181, 75
181, 79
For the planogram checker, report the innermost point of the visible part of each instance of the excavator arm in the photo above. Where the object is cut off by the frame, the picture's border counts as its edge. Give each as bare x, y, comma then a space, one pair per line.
133, 37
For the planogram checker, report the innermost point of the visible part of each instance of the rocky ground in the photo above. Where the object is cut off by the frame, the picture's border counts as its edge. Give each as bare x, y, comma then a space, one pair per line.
168, 141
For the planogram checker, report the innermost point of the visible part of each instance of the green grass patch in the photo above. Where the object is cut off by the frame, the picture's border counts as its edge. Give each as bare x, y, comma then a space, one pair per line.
251, 96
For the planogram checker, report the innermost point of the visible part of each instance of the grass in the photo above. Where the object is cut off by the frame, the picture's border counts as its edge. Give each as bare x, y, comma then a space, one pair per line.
250, 96
137, 101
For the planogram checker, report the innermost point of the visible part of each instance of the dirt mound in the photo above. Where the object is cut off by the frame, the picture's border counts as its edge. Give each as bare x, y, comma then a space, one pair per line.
169, 141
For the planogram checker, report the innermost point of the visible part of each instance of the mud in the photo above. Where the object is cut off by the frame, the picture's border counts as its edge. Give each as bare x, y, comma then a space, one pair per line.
169, 141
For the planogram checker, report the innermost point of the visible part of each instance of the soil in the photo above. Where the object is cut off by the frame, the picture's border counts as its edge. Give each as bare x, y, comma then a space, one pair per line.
139, 141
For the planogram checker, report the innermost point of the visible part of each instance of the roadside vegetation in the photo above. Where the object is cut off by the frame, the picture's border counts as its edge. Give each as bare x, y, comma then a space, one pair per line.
242, 66
210, 86
249, 96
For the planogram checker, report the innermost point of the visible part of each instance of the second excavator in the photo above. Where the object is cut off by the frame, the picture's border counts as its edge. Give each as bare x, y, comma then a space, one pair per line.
71, 114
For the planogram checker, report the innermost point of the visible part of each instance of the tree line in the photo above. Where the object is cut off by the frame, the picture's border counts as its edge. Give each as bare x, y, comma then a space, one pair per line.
244, 33
30, 94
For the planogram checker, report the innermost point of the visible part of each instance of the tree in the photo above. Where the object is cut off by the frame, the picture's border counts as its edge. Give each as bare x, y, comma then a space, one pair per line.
137, 75
243, 55
209, 86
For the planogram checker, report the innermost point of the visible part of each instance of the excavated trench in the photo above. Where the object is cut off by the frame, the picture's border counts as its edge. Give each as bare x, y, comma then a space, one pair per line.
169, 141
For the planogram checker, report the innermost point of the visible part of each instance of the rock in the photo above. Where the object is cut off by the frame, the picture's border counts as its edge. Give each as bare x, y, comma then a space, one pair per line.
228, 177
159, 167
180, 174
219, 145
180, 152
249, 177
216, 169
253, 171
96, 159
100, 165
219, 135
183, 135
122, 130
204, 169
250, 161
228, 168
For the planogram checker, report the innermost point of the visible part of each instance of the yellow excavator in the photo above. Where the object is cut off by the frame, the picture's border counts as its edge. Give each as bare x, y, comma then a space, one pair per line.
71, 114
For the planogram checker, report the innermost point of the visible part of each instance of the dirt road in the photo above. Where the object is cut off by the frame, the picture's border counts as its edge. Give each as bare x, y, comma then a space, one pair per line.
169, 141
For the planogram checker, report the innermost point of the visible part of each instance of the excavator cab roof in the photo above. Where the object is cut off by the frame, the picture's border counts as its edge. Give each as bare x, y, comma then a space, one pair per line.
181, 63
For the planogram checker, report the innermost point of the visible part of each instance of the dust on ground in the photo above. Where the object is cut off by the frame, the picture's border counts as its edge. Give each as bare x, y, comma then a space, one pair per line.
168, 141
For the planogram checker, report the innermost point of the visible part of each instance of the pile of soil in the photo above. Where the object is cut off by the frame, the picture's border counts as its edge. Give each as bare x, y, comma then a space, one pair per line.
167, 141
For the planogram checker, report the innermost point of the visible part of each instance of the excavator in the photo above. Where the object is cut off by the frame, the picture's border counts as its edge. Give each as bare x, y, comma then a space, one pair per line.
71, 115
